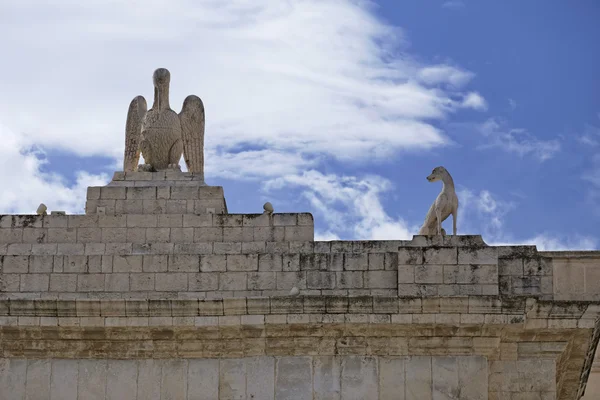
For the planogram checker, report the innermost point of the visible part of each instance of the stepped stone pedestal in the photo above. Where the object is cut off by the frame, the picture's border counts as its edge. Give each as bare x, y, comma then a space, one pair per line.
159, 292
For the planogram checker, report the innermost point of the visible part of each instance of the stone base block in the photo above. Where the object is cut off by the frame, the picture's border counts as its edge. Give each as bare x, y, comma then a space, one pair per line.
164, 192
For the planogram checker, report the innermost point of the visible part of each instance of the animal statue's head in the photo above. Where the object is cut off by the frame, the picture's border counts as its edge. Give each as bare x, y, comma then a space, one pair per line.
161, 77
437, 174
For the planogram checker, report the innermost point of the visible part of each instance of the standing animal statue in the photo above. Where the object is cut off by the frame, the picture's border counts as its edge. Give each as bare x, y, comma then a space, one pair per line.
445, 204
161, 135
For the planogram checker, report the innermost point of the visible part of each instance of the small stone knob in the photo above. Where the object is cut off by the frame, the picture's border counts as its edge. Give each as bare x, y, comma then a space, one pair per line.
295, 291
268, 207
41, 210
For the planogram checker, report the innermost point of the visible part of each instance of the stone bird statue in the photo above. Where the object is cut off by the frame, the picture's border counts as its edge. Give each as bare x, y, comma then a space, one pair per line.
445, 204
162, 135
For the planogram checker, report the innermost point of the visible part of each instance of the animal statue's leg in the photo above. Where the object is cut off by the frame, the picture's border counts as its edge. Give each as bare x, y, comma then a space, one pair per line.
438, 217
454, 216
175, 155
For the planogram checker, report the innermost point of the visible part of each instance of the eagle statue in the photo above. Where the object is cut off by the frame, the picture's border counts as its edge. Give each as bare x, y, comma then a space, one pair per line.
161, 135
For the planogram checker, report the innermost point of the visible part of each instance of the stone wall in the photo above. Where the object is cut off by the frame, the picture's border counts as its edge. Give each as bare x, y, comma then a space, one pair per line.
260, 378
158, 292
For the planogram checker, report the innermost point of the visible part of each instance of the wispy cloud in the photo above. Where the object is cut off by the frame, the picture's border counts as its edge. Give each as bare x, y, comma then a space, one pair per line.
516, 140
484, 213
350, 206
25, 185
512, 104
285, 84
590, 136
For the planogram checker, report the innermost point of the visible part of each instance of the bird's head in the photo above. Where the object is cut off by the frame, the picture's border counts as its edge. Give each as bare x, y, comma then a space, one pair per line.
161, 76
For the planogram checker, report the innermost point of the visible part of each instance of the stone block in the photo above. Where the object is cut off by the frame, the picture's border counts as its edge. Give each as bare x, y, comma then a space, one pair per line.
213, 263
262, 281
15, 264
203, 379
34, 235
126, 207
88, 308
62, 235
114, 235
192, 248
154, 263
204, 281
356, 262
254, 220
174, 379
471, 274
381, 279
293, 378
112, 193
291, 262
141, 193
142, 221
242, 262
184, 192
18, 248
95, 249
440, 255
232, 379
38, 378
277, 247
82, 221
240, 234
63, 382
429, 273
35, 282
171, 282
63, 282
209, 234
141, 282
359, 377
269, 233
474, 255
349, 279
158, 235
184, 263
233, 281
320, 280
128, 263
510, 266
182, 235
90, 283
154, 206
253, 247
406, 273
299, 233
89, 235
270, 262
197, 221
410, 255
44, 249
228, 220
116, 282
11, 235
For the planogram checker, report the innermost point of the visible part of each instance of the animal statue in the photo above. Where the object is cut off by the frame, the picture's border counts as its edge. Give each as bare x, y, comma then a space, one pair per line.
445, 204
162, 135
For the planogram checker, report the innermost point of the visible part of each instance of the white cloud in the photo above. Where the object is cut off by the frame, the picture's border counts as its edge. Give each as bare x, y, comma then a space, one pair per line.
517, 140
512, 104
26, 186
350, 206
301, 78
437, 74
475, 101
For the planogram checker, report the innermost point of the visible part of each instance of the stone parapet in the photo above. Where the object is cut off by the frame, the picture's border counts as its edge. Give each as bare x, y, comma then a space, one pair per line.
45, 231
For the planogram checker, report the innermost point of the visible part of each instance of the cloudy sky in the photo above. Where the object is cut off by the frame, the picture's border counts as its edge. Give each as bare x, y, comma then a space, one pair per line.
340, 108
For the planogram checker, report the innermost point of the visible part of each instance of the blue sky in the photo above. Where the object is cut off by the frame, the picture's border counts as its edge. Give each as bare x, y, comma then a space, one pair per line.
339, 108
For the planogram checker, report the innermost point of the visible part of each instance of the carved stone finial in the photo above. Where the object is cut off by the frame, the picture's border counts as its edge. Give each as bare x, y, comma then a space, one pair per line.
445, 204
161, 135
42, 209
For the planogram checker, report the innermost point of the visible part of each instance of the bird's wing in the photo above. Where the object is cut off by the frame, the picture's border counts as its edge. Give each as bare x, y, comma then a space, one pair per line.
133, 133
192, 132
